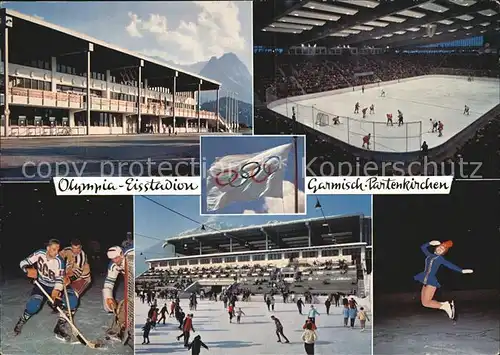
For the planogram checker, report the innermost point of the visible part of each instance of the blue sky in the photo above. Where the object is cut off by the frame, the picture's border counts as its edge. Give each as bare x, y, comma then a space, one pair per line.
158, 224
184, 32
213, 147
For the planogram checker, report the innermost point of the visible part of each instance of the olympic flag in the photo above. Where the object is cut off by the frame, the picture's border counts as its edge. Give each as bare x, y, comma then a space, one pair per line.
246, 177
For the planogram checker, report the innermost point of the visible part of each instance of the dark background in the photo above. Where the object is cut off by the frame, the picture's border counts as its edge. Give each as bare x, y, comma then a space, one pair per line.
469, 216
31, 214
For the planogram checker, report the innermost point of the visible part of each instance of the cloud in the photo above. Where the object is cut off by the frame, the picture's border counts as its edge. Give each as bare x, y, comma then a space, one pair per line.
249, 212
215, 31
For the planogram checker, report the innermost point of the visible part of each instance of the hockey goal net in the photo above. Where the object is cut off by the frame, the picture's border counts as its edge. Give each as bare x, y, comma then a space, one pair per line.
129, 292
322, 119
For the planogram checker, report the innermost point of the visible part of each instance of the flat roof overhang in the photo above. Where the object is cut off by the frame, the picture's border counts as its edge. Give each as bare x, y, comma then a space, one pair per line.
38, 39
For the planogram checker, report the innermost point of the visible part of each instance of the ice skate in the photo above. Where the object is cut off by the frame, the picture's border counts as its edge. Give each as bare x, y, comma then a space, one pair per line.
447, 307
19, 326
61, 332
453, 311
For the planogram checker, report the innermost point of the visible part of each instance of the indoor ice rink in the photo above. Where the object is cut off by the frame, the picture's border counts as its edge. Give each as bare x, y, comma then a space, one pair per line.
256, 333
438, 97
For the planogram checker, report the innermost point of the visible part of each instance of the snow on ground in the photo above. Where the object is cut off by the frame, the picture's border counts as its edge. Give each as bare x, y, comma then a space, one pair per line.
437, 97
37, 336
476, 332
256, 333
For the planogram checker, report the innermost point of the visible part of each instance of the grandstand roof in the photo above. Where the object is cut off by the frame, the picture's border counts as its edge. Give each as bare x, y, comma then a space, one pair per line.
371, 23
37, 39
342, 229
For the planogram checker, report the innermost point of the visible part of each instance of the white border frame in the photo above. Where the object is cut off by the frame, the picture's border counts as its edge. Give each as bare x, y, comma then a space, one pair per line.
304, 163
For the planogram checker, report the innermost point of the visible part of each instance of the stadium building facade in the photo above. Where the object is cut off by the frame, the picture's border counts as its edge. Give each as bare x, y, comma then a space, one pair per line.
64, 83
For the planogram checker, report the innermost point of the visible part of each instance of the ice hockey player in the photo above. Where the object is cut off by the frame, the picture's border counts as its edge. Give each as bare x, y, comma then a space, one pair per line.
400, 118
336, 120
356, 107
382, 93
372, 109
466, 110
366, 141
239, 313
279, 329
389, 119
196, 345
77, 267
434, 125
47, 267
364, 112
116, 267
440, 128
362, 89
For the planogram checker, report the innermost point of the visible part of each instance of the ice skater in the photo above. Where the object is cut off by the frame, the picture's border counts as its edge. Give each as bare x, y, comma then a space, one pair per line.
466, 110
196, 345
382, 93
366, 141
428, 277
389, 119
146, 329
279, 329
345, 313
356, 107
239, 313
353, 312
363, 317
363, 111
440, 129
313, 312
300, 304
372, 109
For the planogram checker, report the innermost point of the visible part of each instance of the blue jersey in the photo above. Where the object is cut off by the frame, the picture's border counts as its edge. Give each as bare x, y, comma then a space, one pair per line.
432, 264
50, 270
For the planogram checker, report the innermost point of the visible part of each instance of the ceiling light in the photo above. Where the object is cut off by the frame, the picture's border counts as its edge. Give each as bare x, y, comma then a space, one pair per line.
302, 21
376, 23
410, 13
468, 27
339, 35
463, 2
484, 24
281, 30
465, 17
413, 29
291, 26
363, 3
393, 19
487, 12
387, 35
446, 22
431, 6
330, 8
351, 32
452, 30
315, 15
362, 28
400, 32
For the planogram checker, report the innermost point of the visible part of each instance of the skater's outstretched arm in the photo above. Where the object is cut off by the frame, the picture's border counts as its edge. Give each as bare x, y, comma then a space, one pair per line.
452, 266
203, 344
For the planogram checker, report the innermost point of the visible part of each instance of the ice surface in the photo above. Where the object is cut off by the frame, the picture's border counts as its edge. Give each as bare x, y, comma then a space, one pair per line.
37, 336
256, 333
430, 332
437, 97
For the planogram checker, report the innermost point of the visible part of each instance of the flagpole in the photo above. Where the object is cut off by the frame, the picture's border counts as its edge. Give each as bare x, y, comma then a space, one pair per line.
296, 174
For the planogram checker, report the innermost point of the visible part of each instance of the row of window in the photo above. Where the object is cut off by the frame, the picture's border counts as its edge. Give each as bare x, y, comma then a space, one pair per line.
260, 257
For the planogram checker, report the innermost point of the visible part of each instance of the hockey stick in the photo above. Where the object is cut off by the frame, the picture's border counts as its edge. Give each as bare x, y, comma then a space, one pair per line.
67, 302
65, 317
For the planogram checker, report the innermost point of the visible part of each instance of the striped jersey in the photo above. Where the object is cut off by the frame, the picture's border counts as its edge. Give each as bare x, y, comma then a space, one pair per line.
114, 270
77, 264
50, 270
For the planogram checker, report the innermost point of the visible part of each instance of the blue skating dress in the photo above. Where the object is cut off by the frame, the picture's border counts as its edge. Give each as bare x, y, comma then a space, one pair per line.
432, 264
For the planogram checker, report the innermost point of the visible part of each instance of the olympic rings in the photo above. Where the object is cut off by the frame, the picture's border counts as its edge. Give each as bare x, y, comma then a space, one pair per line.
248, 172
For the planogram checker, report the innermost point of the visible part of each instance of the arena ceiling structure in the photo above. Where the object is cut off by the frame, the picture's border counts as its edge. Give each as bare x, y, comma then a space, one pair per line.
361, 23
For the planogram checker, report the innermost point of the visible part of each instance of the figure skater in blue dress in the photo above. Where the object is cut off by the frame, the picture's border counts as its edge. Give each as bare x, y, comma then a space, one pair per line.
428, 277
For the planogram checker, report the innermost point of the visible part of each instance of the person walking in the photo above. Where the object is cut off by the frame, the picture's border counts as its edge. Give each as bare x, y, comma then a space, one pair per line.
309, 337
363, 317
146, 329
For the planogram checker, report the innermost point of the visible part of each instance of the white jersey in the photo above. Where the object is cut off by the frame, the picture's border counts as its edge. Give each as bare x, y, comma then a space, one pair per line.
50, 270
114, 270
